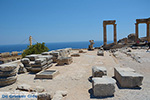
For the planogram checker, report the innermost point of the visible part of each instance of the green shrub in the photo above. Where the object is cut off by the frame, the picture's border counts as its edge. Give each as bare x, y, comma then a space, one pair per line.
38, 48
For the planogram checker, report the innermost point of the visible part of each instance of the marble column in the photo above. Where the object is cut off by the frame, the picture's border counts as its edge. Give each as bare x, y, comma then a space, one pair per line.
115, 34
148, 27
136, 32
104, 36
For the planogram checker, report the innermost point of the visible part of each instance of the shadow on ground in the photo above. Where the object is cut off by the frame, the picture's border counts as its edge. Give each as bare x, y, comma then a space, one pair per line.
93, 97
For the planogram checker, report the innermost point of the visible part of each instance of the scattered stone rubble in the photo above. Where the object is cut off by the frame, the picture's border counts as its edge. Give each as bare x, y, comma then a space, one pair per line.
36, 63
127, 77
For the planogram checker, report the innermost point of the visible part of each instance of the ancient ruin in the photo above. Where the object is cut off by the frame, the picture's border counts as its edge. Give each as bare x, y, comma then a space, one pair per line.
139, 21
109, 22
91, 45
127, 77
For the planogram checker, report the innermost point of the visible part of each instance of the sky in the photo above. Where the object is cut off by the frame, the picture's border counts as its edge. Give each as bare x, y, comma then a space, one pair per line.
69, 20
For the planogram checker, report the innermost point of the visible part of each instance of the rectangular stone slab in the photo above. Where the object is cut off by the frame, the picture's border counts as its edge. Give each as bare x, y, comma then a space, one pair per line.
127, 77
103, 87
47, 74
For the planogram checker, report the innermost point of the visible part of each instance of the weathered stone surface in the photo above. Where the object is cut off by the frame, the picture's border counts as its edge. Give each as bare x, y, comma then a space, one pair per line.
47, 74
127, 77
98, 71
64, 60
75, 55
68, 50
8, 73
37, 64
26, 87
40, 60
44, 96
55, 55
25, 60
103, 87
59, 95
7, 80
8, 67
100, 53
45, 53
32, 57
63, 53
22, 69
48, 57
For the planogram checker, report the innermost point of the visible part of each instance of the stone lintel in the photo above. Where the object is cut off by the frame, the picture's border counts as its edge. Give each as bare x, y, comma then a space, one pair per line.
109, 22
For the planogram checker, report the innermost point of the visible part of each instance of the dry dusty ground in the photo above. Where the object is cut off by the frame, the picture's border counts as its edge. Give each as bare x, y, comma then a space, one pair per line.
74, 77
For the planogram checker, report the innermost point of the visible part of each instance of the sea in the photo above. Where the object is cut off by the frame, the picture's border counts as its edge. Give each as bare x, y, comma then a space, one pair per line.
51, 46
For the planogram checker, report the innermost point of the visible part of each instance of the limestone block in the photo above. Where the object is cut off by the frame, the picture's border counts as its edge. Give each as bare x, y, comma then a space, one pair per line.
8, 66
40, 60
127, 77
25, 60
39, 64
45, 53
32, 57
103, 87
98, 71
8, 73
64, 60
48, 57
8, 80
100, 53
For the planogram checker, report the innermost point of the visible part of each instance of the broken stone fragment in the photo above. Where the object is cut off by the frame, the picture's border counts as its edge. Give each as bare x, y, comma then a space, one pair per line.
25, 87
98, 71
59, 95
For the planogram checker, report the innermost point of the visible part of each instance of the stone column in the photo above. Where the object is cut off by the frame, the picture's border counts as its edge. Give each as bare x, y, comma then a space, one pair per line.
115, 34
136, 32
148, 32
104, 36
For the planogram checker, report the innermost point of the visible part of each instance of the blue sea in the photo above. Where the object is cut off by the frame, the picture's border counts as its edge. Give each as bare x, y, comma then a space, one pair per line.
51, 46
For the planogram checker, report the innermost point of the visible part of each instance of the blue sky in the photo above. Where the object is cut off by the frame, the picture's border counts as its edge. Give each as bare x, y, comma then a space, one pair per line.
68, 20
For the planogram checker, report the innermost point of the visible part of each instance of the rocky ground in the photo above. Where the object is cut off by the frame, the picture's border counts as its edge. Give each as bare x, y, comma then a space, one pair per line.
74, 78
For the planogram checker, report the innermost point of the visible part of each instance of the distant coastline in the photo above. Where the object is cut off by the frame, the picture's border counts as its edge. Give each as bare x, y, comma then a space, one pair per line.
51, 46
